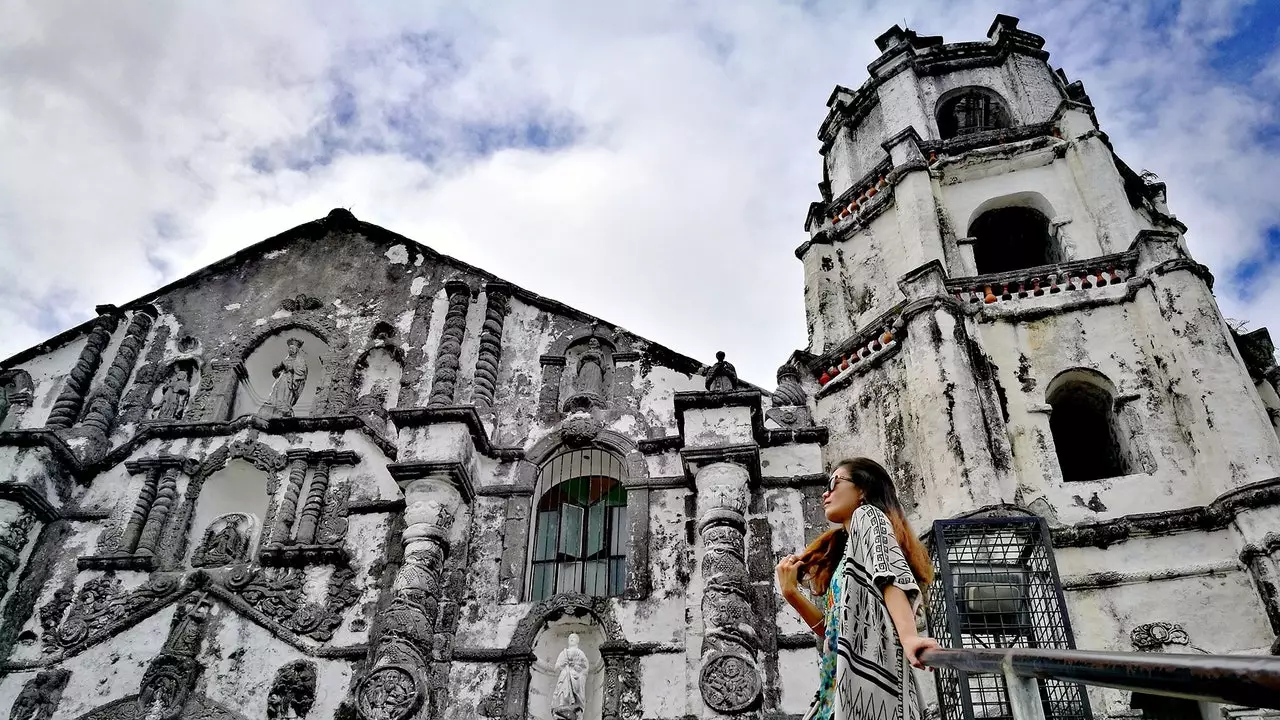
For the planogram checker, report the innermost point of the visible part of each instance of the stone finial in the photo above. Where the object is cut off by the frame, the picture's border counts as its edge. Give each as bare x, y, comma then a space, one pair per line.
789, 391
340, 219
722, 377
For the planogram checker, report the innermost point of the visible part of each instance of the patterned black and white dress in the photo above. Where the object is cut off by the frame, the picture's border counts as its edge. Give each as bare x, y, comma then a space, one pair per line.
873, 678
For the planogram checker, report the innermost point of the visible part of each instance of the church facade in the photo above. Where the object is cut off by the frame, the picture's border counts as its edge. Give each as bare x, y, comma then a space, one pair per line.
339, 475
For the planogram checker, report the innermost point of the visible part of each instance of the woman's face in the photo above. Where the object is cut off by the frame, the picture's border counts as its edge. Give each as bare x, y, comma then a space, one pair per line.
841, 498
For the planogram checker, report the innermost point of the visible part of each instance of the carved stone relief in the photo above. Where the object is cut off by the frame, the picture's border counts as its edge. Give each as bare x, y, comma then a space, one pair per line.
284, 376
71, 618
14, 533
16, 394
174, 396
169, 679
293, 692
1157, 635
591, 362
226, 541
377, 377
40, 696
278, 594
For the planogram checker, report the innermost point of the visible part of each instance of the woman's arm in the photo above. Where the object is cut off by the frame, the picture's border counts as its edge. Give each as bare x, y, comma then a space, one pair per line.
904, 621
788, 573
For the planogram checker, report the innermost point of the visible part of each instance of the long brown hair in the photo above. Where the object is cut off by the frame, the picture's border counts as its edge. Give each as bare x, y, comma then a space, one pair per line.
821, 558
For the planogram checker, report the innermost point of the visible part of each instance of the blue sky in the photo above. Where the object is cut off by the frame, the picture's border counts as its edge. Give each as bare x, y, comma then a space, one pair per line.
648, 162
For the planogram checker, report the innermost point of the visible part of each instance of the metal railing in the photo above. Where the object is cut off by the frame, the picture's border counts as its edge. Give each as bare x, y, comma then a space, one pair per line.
1244, 680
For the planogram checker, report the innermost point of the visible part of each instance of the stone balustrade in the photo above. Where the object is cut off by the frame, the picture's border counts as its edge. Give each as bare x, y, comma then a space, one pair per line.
1076, 276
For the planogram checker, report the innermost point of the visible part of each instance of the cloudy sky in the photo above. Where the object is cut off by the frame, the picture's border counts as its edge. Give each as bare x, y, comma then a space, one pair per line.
649, 162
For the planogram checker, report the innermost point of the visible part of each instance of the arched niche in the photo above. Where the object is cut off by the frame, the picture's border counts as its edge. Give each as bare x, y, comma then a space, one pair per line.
171, 400
549, 647
376, 380
278, 381
969, 110
1085, 428
589, 374
1013, 232
236, 493
16, 394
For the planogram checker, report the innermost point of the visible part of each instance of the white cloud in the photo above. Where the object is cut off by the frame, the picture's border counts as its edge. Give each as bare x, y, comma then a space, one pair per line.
681, 162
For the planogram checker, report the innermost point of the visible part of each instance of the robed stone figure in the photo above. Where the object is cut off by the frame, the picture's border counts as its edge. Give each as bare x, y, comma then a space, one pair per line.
291, 377
570, 696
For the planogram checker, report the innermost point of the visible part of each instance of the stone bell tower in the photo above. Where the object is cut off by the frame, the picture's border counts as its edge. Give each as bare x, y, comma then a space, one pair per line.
1006, 315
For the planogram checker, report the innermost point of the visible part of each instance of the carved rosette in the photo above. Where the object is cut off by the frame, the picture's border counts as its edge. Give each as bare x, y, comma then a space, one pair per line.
490, 354
448, 356
729, 678
67, 407
394, 688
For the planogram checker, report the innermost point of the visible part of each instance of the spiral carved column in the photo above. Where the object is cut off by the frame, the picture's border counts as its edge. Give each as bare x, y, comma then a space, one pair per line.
66, 409
105, 402
490, 354
158, 516
444, 385
310, 517
395, 687
730, 677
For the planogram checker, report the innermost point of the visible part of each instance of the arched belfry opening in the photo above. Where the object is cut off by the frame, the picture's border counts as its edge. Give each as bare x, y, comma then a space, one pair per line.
580, 536
1012, 238
1086, 433
971, 110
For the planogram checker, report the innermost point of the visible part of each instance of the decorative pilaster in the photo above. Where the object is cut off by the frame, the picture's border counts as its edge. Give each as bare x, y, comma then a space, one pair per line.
490, 355
401, 659
310, 517
105, 402
729, 677
15, 529
161, 507
141, 542
66, 409
448, 356
282, 529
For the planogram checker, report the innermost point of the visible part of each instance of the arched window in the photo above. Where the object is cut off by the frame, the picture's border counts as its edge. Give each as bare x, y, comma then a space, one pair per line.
1085, 431
1012, 238
969, 111
579, 544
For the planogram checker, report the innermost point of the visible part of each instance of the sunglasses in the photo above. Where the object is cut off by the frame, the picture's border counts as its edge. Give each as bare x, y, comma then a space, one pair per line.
834, 480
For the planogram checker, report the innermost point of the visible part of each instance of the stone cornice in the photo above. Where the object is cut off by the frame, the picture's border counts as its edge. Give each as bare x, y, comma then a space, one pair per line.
745, 454
1214, 516
465, 414
456, 472
700, 400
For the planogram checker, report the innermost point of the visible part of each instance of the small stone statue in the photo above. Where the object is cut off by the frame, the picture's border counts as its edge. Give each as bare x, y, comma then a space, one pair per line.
291, 377
173, 403
569, 699
722, 377
591, 370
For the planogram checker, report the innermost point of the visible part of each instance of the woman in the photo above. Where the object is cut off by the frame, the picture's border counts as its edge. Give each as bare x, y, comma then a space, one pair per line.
869, 571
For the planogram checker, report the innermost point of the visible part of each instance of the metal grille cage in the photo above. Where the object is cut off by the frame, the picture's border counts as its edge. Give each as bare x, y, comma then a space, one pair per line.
580, 542
998, 587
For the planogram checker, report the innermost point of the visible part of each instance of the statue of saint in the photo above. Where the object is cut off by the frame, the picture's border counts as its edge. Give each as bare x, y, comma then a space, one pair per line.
591, 370
291, 376
173, 403
570, 697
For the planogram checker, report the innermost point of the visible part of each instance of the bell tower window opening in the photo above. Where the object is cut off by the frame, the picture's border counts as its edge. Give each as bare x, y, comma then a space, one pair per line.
579, 542
1084, 426
971, 111
1012, 238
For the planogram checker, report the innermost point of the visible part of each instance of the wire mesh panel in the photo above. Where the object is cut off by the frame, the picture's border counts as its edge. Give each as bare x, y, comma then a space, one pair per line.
579, 544
998, 588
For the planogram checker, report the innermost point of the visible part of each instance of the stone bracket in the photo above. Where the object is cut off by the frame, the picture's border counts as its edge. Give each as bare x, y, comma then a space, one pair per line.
456, 473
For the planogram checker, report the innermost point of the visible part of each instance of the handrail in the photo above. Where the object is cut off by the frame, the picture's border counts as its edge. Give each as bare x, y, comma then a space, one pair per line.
1247, 680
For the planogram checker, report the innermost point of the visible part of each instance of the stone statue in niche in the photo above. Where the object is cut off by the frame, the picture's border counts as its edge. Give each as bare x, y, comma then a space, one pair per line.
591, 371
177, 392
290, 377
570, 696
226, 541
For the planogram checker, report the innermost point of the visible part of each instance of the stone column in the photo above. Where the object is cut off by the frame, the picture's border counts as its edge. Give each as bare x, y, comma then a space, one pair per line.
166, 496
16, 523
310, 517
729, 675
105, 402
444, 385
282, 526
395, 687
490, 355
66, 409
138, 518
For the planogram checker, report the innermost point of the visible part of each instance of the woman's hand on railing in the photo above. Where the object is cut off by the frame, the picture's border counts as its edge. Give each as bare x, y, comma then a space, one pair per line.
914, 647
